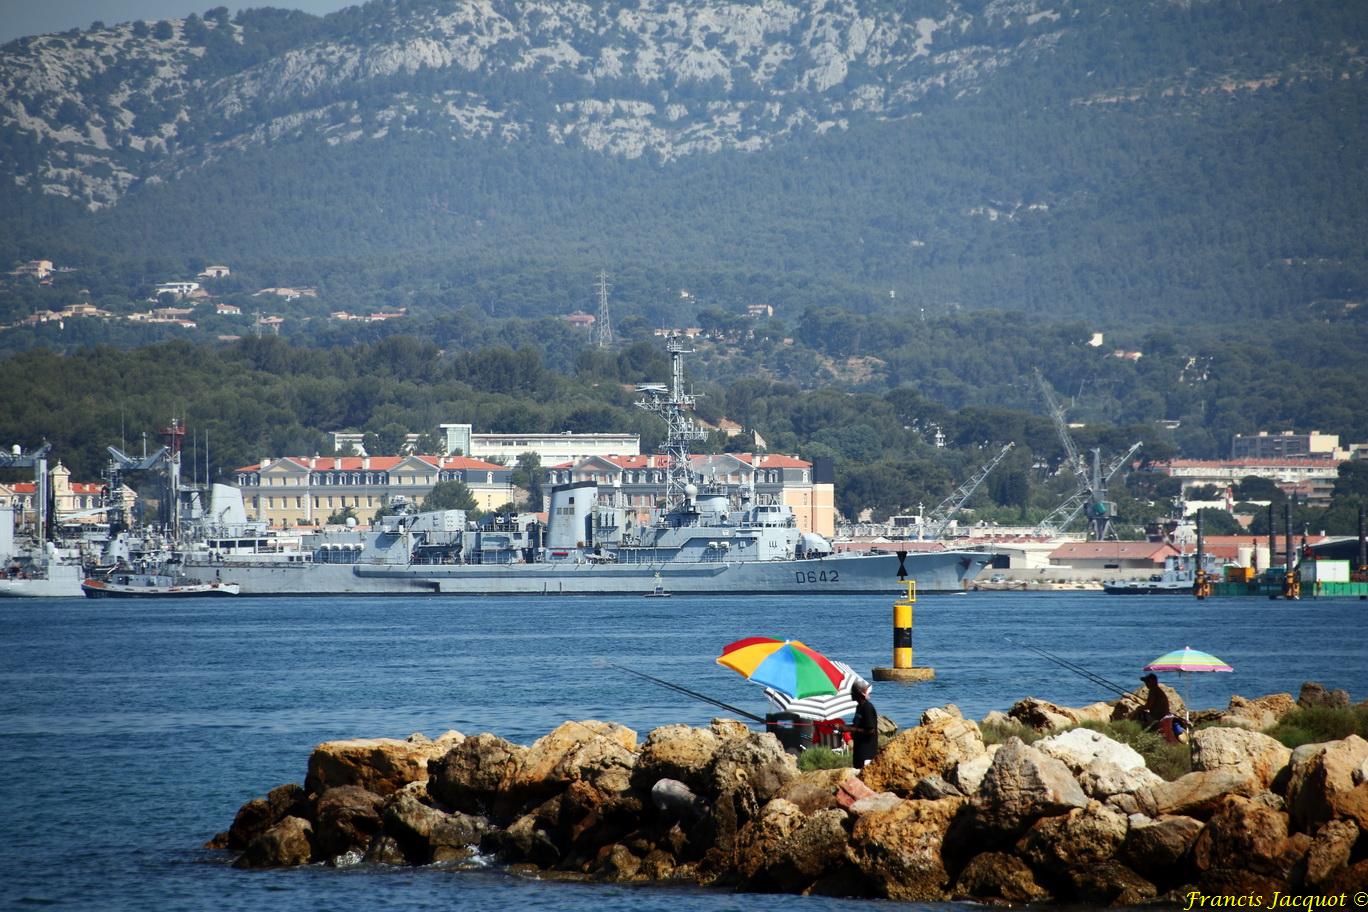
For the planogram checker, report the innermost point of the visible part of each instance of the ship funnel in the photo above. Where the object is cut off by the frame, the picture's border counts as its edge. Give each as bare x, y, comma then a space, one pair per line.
571, 515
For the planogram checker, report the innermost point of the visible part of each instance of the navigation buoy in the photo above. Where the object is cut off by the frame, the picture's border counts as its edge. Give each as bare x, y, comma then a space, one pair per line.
903, 669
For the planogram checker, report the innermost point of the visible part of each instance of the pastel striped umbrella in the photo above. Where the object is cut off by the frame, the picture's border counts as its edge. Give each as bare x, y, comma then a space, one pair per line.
787, 666
1187, 659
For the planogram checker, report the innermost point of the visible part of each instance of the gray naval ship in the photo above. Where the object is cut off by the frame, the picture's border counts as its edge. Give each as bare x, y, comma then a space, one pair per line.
699, 547
707, 541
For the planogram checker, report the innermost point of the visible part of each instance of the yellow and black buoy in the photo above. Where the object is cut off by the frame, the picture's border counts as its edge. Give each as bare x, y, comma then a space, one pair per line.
903, 669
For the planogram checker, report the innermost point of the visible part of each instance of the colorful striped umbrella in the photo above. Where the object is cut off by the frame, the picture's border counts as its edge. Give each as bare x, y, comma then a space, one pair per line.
787, 666
1187, 659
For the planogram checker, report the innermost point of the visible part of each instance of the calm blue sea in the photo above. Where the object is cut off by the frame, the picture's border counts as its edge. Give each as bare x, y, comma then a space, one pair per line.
131, 732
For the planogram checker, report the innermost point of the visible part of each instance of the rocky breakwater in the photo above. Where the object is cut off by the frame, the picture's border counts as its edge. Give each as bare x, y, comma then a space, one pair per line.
939, 815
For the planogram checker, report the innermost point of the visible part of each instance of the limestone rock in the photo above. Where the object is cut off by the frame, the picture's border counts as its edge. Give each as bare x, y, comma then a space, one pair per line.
998, 876
1314, 695
1196, 794
898, 851
380, 765
1110, 883
747, 773
676, 752
933, 748
425, 835
941, 714
968, 774
1103, 767
616, 863
1021, 786
527, 839
933, 787
817, 849
1087, 835
1351, 880
815, 790
1257, 714
1247, 752
1330, 850
346, 818
675, 801
472, 775
876, 803
1157, 848
385, 849
1100, 711
285, 844
996, 717
1322, 783
260, 814
1246, 835
852, 790
727, 729
1130, 704
600, 753
758, 841
1041, 715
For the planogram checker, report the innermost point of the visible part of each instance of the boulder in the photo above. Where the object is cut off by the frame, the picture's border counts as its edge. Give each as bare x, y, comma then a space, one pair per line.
1330, 850
996, 717
1021, 786
1041, 715
425, 834
1249, 753
759, 840
346, 818
1246, 835
1157, 849
1257, 714
816, 850
1102, 766
1196, 794
616, 863
472, 775
676, 752
933, 787
380, 765
287, 843
1351, 880
898, 851
385, 849
933, 748
968, 774
997, 876
941, 713
1088, 835
1109, 883
851, 790
747, 773
1316, 696
727, 729
1325, 783
876, 803
1257, 890
675, 801
260, 814
599, 753
816, 790
528, 839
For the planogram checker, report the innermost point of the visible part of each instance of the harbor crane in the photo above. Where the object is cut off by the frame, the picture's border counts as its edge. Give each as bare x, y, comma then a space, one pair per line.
120, 464
36, 460
1092, 479
945, 510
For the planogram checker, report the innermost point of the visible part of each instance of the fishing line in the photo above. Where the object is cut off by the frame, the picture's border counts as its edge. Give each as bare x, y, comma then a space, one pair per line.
686, 691
1076, 669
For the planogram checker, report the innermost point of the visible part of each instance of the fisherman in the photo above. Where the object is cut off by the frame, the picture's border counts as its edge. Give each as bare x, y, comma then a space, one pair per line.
865, 726
1156, 702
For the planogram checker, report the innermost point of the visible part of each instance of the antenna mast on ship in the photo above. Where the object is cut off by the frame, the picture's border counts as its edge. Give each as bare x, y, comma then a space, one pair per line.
674, 405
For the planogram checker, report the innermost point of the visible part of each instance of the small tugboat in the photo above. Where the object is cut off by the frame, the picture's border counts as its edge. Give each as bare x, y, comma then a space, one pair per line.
1176, 579
129, 584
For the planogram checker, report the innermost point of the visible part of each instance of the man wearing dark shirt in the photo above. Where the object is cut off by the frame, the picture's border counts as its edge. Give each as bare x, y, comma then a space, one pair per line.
864, 728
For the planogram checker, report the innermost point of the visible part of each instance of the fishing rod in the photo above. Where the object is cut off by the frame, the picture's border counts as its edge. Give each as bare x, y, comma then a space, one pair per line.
1076, 669
684, 690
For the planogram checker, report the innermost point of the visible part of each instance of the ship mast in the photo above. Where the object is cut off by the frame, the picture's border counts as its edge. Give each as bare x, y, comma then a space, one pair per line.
674, 405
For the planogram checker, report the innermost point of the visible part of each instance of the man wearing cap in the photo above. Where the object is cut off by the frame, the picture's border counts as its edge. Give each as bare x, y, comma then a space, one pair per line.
864, 728
1156, 702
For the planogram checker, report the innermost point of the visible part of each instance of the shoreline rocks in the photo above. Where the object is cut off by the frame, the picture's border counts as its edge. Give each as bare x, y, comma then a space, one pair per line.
1076, 817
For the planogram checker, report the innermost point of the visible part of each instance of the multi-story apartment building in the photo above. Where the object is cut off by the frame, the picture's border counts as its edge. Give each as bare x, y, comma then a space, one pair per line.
637, 483
306, 490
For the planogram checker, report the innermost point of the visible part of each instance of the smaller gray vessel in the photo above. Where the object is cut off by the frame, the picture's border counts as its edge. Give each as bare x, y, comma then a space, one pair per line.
1176, 578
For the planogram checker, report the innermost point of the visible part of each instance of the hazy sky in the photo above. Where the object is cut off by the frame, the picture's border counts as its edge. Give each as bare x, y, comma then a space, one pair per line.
37, 17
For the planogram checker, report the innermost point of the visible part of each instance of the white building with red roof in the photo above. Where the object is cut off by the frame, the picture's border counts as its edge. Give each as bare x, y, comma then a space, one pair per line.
637, 483
306, 490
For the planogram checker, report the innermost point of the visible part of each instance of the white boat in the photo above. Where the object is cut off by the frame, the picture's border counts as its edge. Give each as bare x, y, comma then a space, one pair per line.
56, 576
154, 585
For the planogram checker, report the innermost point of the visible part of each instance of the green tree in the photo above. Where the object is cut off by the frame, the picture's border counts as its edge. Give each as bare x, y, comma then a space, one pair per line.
451, 495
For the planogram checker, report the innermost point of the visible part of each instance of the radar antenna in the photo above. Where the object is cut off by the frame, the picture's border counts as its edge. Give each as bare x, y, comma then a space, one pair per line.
674, 405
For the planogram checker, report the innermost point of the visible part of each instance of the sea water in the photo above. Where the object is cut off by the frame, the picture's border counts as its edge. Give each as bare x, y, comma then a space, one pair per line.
131, 731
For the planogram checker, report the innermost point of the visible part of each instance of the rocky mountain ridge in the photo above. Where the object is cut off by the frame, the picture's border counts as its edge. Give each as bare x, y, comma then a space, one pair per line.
92, 114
